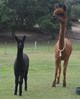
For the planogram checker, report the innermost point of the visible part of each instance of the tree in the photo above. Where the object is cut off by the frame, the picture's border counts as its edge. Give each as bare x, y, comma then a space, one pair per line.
45, 22
74, 6
24, 14
7, 16
27, 12
75, 12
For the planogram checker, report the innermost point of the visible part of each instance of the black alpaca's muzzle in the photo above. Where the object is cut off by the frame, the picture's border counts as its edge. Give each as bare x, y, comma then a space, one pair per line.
20, 46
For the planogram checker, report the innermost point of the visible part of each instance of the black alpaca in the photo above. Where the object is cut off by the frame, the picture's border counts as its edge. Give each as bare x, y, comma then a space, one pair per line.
20, 66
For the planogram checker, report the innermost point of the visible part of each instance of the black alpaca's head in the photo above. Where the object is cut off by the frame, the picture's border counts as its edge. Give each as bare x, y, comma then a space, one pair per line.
20, 42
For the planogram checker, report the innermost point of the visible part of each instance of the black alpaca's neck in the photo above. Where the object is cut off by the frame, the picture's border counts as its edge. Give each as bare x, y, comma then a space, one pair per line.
20, 54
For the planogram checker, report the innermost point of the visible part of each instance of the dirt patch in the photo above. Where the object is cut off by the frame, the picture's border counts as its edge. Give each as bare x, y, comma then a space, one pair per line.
74, 35
31, 36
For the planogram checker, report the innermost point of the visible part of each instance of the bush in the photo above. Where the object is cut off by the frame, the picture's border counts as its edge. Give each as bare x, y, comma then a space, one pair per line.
49, 28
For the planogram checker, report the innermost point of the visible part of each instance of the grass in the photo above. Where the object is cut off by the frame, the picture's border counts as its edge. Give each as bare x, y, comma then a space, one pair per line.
41, 73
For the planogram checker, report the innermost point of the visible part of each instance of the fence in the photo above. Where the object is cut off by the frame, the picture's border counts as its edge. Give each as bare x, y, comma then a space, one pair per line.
8, 48
48, 46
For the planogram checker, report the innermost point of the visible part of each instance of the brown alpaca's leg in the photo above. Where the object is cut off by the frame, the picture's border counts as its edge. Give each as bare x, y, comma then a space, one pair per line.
64, 73
57, 63
58, 77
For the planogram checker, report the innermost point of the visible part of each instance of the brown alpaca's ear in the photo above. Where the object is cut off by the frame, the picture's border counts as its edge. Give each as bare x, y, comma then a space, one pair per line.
56, 6
64, 7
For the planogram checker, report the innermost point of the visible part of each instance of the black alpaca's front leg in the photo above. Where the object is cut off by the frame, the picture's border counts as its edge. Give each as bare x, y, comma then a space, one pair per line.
16, 84
25, 82
20, 87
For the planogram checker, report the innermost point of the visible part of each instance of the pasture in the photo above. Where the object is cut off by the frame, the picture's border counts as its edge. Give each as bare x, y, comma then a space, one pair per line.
41, 73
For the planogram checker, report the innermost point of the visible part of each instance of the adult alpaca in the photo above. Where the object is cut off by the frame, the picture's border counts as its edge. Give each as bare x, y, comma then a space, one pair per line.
63, 47
21, 66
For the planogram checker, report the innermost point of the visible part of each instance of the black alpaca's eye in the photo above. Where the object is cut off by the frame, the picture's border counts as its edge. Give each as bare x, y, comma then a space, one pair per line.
61, 14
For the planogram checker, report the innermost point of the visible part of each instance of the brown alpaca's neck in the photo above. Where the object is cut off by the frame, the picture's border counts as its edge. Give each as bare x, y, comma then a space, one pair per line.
62, 35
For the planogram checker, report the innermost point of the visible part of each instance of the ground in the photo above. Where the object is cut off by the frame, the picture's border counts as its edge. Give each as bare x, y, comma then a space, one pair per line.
74, 35
41, 71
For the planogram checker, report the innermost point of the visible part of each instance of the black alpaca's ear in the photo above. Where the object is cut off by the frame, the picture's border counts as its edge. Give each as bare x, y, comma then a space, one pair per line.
16, 38
56, 6
64, 7
24, 38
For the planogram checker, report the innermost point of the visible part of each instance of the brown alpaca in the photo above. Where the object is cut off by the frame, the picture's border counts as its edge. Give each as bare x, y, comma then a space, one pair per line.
63, 47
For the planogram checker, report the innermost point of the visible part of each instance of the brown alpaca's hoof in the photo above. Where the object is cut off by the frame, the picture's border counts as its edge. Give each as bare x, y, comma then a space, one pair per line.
64, 85
53, 85
57, 82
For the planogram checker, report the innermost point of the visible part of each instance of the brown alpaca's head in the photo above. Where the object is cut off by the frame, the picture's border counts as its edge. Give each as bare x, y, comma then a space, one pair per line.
60, 14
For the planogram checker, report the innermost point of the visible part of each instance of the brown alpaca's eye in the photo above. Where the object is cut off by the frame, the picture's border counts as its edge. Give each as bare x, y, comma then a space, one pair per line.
57, 14
61, 14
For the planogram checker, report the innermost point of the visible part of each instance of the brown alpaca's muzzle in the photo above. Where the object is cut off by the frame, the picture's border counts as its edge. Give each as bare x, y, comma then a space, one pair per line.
54, 18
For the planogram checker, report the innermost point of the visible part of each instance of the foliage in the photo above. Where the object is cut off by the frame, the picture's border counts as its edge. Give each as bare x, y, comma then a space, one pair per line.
75, 12
75, 9
48, 27
6, 16
24, 14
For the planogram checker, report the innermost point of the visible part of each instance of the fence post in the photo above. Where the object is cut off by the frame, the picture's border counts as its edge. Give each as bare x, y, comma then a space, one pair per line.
48, 45
35, 46
5, 46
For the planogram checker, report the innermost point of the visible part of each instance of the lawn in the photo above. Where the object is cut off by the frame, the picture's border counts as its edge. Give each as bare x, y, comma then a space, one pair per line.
41, 73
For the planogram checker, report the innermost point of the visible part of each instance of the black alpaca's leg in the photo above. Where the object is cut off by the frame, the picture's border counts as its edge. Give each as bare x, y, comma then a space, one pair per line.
20, 87
16, 84
26, 82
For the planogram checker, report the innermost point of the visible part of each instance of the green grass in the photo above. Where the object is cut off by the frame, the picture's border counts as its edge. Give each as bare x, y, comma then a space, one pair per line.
41, 73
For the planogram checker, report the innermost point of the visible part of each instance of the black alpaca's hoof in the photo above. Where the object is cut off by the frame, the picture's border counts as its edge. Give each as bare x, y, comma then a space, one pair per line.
25, 89
15, 93
20, 94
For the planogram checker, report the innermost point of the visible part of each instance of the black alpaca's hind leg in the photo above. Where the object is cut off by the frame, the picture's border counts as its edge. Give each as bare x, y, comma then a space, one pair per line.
20, 87
16, 84
26, 82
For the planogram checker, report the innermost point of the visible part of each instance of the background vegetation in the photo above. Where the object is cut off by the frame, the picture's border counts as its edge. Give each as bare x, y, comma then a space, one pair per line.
24, 14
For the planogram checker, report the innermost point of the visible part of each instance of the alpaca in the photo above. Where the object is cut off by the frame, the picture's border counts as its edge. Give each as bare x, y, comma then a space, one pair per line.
63, 47
21, 66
